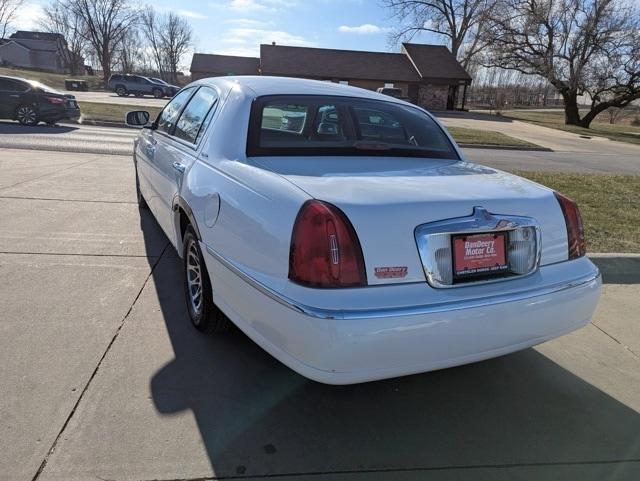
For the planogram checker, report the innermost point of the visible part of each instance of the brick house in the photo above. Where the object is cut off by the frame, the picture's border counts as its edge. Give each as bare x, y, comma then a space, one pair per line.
428, 75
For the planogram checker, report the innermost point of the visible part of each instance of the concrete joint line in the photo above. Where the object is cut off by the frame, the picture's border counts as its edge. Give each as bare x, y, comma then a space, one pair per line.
404, 470
624, 346
66, 200
97, 368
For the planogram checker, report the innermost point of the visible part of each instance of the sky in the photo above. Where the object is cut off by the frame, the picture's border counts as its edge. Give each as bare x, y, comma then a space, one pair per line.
238, 27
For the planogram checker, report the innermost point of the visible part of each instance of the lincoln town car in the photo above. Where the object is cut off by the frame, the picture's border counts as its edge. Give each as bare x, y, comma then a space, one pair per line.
344, 232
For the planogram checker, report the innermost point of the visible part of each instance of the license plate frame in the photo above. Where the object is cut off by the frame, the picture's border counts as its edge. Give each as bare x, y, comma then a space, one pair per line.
484, 255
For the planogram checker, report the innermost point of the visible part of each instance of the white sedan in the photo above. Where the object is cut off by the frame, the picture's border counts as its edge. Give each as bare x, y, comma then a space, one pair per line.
344, 232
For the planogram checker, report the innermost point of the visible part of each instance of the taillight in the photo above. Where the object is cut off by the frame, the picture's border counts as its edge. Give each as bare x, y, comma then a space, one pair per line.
325, 251
55, 100
575, 230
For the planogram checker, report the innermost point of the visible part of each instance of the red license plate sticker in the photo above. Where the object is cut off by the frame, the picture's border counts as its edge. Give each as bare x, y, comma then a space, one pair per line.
479, 254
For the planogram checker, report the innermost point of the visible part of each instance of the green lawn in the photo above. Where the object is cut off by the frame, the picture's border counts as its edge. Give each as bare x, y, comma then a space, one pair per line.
52, 79
610, 206
555, 120
486, 137
111, 112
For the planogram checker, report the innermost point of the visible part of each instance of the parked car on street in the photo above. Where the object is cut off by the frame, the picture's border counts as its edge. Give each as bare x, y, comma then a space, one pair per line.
360, 244
30, 102
171, 89
124, 85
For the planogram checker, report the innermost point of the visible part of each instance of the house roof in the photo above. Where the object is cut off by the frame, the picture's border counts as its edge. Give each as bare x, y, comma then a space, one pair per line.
435, 61
23, 34
224, 64
332, 63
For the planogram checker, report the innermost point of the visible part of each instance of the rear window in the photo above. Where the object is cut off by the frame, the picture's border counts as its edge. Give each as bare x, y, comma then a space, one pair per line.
323, 125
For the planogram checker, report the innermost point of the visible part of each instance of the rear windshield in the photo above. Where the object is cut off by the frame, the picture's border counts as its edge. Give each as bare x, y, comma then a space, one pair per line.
323, 125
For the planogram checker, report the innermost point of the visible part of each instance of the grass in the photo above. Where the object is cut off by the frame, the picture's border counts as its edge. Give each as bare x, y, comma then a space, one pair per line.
486, 137
111, 112
555, 120
54, 80
610, 207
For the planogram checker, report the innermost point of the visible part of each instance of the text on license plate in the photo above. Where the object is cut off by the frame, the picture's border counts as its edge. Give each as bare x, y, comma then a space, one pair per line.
479, 254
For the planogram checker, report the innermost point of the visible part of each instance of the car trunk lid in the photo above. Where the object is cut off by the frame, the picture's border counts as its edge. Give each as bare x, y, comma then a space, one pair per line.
387, 199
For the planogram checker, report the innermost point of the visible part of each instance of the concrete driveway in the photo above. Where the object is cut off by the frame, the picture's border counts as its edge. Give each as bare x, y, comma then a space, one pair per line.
102, 377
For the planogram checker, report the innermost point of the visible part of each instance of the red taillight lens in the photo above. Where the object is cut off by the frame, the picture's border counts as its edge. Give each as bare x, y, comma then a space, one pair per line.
55, 100
575, 230
325, 251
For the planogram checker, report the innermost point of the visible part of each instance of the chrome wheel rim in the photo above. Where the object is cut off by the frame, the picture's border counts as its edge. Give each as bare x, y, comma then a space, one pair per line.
26, 115
194, 277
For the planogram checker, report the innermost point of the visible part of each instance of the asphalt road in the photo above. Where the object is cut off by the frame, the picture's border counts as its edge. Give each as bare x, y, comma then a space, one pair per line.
102, 376
68, 138
112, 98
118, 141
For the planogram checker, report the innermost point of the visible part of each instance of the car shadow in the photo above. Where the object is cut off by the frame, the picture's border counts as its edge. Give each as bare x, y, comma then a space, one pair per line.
9, 128
256, 417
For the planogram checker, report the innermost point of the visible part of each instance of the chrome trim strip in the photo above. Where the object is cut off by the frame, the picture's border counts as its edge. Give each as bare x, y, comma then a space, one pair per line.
321, 313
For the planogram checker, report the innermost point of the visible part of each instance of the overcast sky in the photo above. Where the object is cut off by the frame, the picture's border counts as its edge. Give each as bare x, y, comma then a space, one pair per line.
237, 27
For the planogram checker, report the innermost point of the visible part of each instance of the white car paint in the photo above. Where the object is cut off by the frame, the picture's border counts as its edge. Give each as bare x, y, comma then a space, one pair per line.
244, 209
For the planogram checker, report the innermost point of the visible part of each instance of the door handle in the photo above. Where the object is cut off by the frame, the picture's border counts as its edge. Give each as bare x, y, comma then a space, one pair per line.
14, 96
179, 167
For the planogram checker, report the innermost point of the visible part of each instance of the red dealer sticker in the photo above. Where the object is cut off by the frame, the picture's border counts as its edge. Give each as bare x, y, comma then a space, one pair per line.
391, 272
479, 254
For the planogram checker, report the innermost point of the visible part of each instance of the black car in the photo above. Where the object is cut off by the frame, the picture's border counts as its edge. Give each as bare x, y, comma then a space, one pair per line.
30, 102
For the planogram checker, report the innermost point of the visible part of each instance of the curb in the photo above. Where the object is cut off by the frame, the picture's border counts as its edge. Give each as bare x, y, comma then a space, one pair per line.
104, 123
618, 268
504, 147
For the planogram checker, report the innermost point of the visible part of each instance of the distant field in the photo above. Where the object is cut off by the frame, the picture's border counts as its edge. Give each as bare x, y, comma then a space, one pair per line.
610, 206
52, 79
555, 119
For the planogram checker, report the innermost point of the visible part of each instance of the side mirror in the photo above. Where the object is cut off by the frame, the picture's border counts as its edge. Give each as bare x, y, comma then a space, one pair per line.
137, 118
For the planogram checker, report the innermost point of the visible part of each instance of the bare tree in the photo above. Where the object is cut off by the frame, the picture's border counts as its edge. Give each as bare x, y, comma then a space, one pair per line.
169, 38
8, 11
459, 21
59, 18
129, 54
105, 22
582, 47
150, 26
176, 35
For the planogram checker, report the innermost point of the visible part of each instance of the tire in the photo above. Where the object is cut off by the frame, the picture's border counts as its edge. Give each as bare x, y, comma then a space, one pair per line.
142, 203
157, 93
205, 315
121, 91
27, 115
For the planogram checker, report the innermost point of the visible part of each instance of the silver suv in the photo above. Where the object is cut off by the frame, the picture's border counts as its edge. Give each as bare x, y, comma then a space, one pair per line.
123, 85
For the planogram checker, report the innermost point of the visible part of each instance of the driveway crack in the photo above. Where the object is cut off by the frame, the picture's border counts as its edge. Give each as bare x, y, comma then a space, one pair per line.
97, 368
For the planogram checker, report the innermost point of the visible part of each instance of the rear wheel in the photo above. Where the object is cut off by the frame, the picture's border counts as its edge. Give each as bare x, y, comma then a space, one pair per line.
157, 93
27, 115
204, 314
121, 91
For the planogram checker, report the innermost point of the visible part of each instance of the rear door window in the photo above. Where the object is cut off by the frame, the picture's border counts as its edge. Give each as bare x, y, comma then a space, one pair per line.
169, 115
196, 116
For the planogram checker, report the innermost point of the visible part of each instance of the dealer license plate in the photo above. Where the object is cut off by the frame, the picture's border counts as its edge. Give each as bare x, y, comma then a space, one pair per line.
479, 255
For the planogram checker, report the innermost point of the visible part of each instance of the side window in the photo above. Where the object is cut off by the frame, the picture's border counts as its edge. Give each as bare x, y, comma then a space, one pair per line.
170, 113
9, 85
196, 116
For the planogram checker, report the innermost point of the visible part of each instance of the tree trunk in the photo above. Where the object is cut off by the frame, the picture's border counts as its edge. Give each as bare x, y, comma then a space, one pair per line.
571, 112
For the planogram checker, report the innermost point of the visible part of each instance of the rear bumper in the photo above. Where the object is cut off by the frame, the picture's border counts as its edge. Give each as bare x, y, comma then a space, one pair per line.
343, 346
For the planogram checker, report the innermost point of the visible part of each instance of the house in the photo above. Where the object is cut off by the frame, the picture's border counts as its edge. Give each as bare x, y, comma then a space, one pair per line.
36, 50
428, 75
